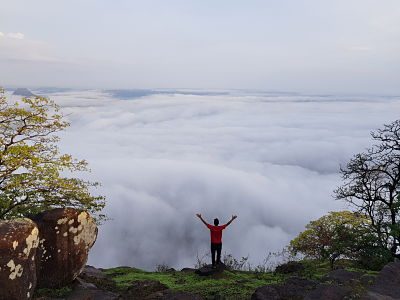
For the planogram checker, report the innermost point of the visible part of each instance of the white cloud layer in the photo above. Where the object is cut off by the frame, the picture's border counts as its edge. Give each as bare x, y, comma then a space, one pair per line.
13, 35
271, 159
16, 35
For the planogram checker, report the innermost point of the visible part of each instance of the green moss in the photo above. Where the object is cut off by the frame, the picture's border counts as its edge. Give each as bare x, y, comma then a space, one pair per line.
53, 293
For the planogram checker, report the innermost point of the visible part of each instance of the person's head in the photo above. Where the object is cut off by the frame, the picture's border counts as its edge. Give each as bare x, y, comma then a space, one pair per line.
216, 222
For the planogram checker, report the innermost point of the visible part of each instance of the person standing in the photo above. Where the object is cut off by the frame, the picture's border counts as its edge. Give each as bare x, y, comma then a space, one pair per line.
216, 238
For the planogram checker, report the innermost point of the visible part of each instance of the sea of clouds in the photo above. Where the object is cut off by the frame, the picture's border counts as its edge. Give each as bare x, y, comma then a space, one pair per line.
271, 158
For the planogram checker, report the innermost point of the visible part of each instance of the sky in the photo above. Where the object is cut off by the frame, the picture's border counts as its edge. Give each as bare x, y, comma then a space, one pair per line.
271, 158
313, 46
265, 100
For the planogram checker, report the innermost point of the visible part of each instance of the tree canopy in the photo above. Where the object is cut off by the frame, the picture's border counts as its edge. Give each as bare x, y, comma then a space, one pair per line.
338, 234
372, 185
34, 175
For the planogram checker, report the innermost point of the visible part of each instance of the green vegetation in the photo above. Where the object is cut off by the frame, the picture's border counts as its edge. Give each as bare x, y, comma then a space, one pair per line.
337, 235
317, 269
32, 170
229, 284
372, 187
226, 285
56, 293
370, 234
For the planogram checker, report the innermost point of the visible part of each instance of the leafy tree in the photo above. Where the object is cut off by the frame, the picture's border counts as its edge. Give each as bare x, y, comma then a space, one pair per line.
372, 185
33, 173
333, 236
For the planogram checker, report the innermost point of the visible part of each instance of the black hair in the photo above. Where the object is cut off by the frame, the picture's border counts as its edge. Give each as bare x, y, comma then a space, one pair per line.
216, 222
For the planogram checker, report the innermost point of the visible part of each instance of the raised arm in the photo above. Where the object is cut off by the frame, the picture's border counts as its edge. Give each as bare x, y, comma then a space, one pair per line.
231, 220
200, 217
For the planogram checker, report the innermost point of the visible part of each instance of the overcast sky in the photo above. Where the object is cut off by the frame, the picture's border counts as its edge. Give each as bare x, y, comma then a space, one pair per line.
337, 46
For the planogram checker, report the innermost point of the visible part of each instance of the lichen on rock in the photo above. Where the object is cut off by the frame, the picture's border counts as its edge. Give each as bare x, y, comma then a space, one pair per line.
18, 248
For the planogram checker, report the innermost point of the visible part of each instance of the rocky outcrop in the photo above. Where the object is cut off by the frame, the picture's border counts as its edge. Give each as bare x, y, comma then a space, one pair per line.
97, 277
387, 283
18, 245
330, 292
208, 270
342, 276
336, 285
290, 267
266, 292
66, 236
294, 288
155, 290
173, 295
92, 282
188, 270
142, 289
89, 291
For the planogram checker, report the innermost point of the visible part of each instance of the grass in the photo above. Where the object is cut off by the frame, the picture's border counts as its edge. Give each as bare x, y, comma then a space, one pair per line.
56, 293
227, 285
316, 269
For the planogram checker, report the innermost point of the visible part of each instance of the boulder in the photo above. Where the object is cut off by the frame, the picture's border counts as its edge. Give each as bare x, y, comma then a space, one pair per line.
18, 245
342, 276
294, 288
88, 291
188, 270
173, 295
140, 289
97, 277
208, 270
170, 270
66, 236
329, 292
266, 292
367, 280
290, 268
92, 294
92, 273
387, 283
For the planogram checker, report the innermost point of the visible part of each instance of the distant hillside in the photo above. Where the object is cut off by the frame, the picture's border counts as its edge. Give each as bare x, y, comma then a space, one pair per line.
24, 92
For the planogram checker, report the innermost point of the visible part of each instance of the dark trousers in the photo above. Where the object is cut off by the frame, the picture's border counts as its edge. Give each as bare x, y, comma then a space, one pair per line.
216, 248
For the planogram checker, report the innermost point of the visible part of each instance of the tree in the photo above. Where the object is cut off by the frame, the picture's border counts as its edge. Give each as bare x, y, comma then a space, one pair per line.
33, 172
338, 234
372, 185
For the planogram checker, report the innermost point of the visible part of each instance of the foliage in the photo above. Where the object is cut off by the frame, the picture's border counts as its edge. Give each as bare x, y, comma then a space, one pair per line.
336, 235
162, 268
372, 185
235, 264
33, 173
374, 257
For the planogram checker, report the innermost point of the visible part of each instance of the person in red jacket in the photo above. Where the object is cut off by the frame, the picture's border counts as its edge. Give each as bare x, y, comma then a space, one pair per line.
216, 237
